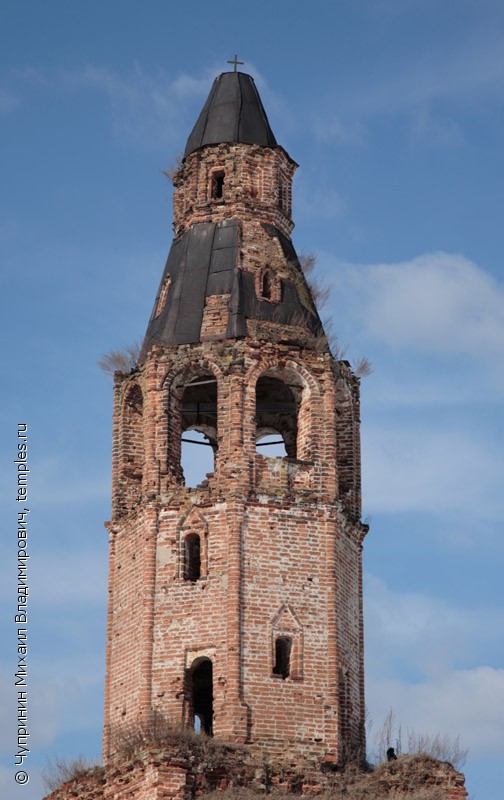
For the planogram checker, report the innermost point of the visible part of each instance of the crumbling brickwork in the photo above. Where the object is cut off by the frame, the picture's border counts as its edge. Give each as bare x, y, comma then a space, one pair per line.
279, 554
256, 183
235, 606
160, 773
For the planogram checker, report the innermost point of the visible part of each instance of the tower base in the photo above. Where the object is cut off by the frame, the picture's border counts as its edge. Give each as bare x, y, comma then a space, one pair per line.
193, 770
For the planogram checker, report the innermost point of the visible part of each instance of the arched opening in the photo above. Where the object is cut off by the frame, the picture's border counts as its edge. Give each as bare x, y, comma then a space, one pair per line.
192, 557
201, 690
283, 647
277, 406
198, 429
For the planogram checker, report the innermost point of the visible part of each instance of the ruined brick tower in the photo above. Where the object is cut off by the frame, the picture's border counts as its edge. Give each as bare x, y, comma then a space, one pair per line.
236, 605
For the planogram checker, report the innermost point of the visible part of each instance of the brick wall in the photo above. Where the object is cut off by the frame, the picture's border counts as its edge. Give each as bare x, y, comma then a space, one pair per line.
279, 547
165, 774
257, 185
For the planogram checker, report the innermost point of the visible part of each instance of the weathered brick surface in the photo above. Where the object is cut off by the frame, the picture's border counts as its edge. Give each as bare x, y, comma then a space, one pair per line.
276, 539
279, 539
266, 553
164, 774
257, 185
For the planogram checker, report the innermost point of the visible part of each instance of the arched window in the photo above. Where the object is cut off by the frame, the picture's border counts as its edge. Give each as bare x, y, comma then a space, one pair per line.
283, 647
192, 557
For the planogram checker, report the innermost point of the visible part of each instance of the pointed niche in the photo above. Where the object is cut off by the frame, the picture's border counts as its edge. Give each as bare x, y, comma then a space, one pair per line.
286, 645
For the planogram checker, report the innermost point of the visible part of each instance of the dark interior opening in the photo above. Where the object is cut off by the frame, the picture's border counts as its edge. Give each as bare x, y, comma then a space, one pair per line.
283, 647
202, 696
217, 184
192, 557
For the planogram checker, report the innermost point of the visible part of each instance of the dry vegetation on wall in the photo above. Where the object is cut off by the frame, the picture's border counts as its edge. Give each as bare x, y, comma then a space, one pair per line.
248, 775
344, 792
158, 731
438, 746
120, 360
321, 294
126, 359
60, 771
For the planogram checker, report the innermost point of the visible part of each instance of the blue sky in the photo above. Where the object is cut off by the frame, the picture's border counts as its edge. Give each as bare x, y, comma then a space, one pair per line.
394, 111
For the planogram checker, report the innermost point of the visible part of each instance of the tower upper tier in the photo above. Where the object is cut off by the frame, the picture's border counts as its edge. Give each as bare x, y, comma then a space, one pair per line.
232, 270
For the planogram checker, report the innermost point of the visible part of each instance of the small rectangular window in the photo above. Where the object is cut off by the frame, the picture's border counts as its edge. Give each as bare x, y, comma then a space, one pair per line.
217, 184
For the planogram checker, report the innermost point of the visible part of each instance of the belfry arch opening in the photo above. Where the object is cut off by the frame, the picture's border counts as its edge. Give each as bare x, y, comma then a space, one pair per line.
277, 409
201, 696
198, 429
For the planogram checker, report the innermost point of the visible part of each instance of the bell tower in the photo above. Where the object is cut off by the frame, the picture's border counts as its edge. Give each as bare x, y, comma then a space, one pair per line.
235, 606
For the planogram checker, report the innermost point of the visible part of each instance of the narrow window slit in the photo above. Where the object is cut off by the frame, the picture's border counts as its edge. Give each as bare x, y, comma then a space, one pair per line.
192, 557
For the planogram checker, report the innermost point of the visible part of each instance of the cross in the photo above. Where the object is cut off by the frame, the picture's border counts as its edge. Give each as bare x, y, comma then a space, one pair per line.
235, 62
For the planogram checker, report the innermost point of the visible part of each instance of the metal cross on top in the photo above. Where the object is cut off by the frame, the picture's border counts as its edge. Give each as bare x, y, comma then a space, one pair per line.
235, 62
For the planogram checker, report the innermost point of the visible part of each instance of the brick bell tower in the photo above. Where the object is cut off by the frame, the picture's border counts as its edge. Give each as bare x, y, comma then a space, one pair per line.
235, 606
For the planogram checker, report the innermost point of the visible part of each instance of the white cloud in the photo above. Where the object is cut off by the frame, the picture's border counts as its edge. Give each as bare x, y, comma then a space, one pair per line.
409, 634
421, 630
146, 109
150, 109
438, 303
426, 634
466, 703
424, 466
459, 77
